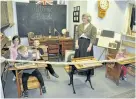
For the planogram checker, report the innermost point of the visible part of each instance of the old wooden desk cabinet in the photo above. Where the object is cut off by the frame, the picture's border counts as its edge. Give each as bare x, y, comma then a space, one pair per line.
65, 43
113, 70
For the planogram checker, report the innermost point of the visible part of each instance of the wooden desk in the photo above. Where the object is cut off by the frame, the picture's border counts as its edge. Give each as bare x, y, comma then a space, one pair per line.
81, 67
113, 70
17, 68
85, 66
65, 43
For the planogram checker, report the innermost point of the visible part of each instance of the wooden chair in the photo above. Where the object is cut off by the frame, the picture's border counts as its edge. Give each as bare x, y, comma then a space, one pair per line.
33, 83
45, 55
53, 49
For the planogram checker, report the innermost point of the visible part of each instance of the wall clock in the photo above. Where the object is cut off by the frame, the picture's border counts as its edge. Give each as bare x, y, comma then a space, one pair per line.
103, 6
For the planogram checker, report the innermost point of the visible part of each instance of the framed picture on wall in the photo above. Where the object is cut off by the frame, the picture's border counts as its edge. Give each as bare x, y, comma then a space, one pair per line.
76, 14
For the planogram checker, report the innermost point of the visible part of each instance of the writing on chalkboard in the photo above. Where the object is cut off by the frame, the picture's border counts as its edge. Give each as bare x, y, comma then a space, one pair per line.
39, 8
39, 16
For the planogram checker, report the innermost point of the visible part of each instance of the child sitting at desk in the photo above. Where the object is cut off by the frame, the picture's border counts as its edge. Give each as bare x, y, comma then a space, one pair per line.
13, 50
39, 52
121, 55
23, 54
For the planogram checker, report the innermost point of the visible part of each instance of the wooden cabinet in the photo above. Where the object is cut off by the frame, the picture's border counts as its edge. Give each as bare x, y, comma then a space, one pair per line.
66, 45
113, 70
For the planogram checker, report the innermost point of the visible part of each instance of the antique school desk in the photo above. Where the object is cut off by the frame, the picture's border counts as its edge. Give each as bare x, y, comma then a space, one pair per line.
23, 67
113, 70
70, 69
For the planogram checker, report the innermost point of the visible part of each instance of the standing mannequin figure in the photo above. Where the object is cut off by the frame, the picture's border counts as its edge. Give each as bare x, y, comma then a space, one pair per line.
85, 38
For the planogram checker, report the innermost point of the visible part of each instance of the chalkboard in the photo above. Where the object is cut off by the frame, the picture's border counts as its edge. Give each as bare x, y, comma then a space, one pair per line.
40, 19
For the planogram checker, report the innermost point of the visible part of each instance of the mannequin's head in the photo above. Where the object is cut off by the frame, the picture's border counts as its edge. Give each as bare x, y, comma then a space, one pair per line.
23, 51
36, 43
86, 18
16, 40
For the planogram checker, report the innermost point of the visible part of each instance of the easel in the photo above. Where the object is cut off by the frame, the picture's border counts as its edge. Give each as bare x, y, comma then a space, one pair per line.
105, 50
104, 43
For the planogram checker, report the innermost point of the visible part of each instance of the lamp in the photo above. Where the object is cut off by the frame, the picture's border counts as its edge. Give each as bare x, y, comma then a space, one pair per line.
64, 32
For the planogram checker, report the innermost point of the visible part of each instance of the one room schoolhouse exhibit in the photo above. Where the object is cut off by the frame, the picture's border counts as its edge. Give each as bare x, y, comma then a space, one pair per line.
68, 48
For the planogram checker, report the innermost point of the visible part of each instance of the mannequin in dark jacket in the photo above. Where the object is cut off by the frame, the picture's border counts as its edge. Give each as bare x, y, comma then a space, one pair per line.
85, 38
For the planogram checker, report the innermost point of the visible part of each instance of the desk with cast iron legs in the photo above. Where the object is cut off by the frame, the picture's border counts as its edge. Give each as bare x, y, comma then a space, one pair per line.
81, 67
